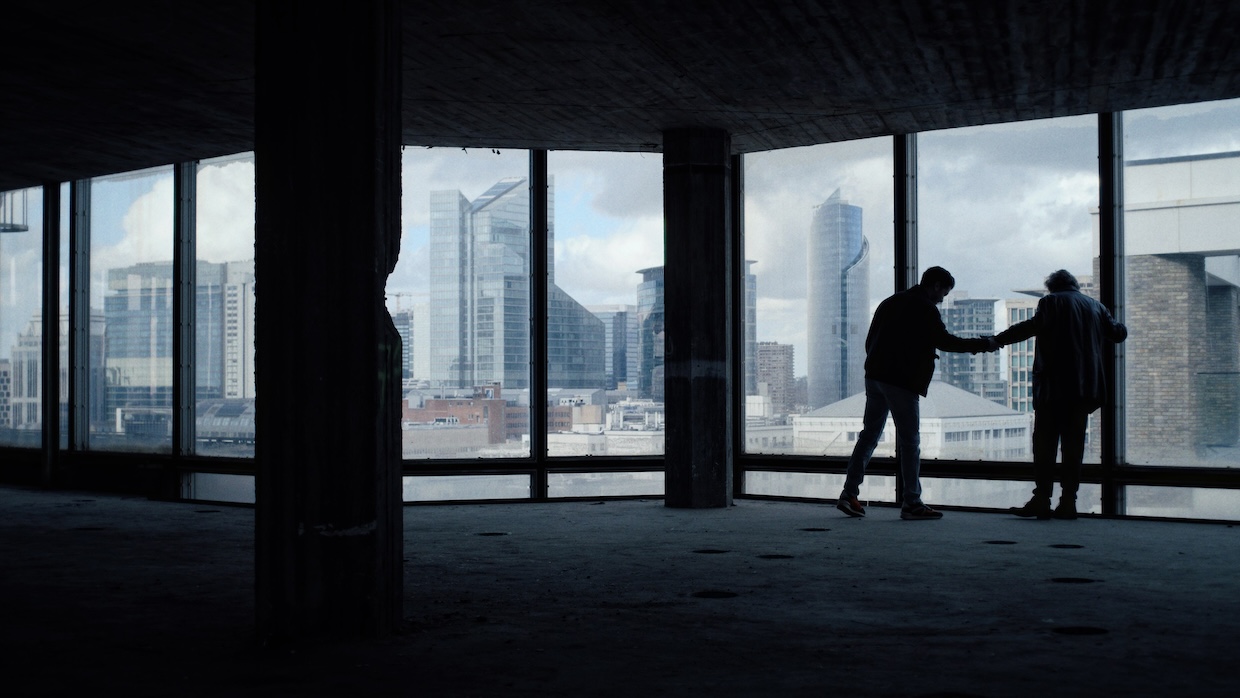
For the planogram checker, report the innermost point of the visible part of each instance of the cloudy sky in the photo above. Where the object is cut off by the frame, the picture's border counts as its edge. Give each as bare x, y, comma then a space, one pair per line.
999, 206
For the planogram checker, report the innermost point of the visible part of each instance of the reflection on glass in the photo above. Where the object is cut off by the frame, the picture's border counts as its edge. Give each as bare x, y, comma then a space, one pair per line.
818, 251
1182, 286
224, 308
637, 484
1182, 502
876, 488
130, 377
445, 488
1000, 207
605, 304
999, 494
21, 317
460, 299
218, 487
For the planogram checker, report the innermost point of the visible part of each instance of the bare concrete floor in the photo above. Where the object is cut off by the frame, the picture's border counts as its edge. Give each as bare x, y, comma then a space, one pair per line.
114, 595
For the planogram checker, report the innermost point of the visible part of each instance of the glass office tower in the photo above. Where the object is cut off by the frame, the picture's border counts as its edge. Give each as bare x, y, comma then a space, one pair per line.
838, 300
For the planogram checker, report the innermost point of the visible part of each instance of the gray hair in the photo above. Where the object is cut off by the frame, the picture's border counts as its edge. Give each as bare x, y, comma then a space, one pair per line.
1062, 280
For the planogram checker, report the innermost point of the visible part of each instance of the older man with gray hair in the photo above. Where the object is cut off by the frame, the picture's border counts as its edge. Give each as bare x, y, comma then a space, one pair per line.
1069, 383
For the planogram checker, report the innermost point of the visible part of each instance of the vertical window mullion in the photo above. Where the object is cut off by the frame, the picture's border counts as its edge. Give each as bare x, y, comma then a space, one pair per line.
184, 279
50, 354
79, 316
1111, 293
538, 322
905, 184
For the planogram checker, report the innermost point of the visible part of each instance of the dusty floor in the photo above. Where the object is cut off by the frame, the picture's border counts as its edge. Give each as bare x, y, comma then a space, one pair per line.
134, 597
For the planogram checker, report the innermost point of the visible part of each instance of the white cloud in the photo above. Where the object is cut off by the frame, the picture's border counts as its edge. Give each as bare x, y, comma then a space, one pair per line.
603, 270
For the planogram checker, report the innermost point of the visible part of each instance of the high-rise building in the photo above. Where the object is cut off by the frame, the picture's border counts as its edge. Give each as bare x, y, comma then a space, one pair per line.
775, 371
137, 345
838, 301
480, 308
620, 354
403, 321
1020, 356
6, 382
650, 333
979, 373
751, 328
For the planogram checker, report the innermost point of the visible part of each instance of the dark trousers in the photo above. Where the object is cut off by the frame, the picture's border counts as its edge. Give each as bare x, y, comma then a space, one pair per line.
1059, 427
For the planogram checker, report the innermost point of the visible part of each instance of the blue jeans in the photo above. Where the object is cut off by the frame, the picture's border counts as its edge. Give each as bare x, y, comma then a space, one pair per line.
904, 407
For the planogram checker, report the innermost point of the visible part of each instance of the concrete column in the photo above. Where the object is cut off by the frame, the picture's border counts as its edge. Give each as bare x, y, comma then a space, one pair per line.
698, 303
327, 158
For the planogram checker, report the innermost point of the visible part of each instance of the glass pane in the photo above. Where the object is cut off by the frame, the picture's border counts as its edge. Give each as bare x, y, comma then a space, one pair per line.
605, 484
1182, 502
443, 488
1182, 285
224, 308
605, 304
1000, 207
819, 258
876, 488
999, 494
216, 487
460, 297
130, 389
21, 317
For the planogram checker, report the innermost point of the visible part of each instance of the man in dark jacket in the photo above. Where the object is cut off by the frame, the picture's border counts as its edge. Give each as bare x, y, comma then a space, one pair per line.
900, 355
1069, 382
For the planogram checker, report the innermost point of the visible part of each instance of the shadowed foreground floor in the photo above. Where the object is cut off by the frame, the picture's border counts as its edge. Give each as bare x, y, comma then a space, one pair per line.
129, 596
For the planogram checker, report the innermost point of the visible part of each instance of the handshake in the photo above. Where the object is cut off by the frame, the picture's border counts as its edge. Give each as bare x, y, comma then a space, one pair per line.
991, 344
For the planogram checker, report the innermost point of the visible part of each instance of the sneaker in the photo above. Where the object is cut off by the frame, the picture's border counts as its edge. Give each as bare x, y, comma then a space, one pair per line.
849, 505
918, 512
1038, 506
1066, 509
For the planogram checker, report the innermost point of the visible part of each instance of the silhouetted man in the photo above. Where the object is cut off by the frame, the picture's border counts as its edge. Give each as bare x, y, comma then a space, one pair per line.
1069, 382
899, 363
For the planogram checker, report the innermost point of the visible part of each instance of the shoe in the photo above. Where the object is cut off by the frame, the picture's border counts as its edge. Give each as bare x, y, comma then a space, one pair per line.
849, 505
919, 512
1038, 506
1066, 509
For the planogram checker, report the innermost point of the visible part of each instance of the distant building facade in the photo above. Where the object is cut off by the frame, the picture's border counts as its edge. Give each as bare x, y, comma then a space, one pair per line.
838, 264
775, 375
979, 373
650, 333
480, 269
620, 351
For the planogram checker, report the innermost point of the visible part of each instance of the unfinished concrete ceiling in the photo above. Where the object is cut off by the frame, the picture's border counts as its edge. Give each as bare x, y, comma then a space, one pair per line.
107, 87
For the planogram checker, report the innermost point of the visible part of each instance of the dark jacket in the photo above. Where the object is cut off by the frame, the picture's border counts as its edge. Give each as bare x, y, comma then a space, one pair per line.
1070, 328
905, 331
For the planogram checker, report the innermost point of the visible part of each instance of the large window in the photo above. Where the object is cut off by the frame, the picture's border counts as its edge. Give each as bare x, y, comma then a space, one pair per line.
605, 304
224, 308
130, 378
1182, 291
818, 253
460, 297
21, 317
1001, 207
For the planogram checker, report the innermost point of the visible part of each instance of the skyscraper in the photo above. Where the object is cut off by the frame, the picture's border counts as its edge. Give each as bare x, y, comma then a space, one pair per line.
480, 308
979, 373
650, 333
751, 328
137, 345
620, 354
838, 302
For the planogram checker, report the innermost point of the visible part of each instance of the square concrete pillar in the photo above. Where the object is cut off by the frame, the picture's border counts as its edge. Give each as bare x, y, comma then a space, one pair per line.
698, 302
327, 157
